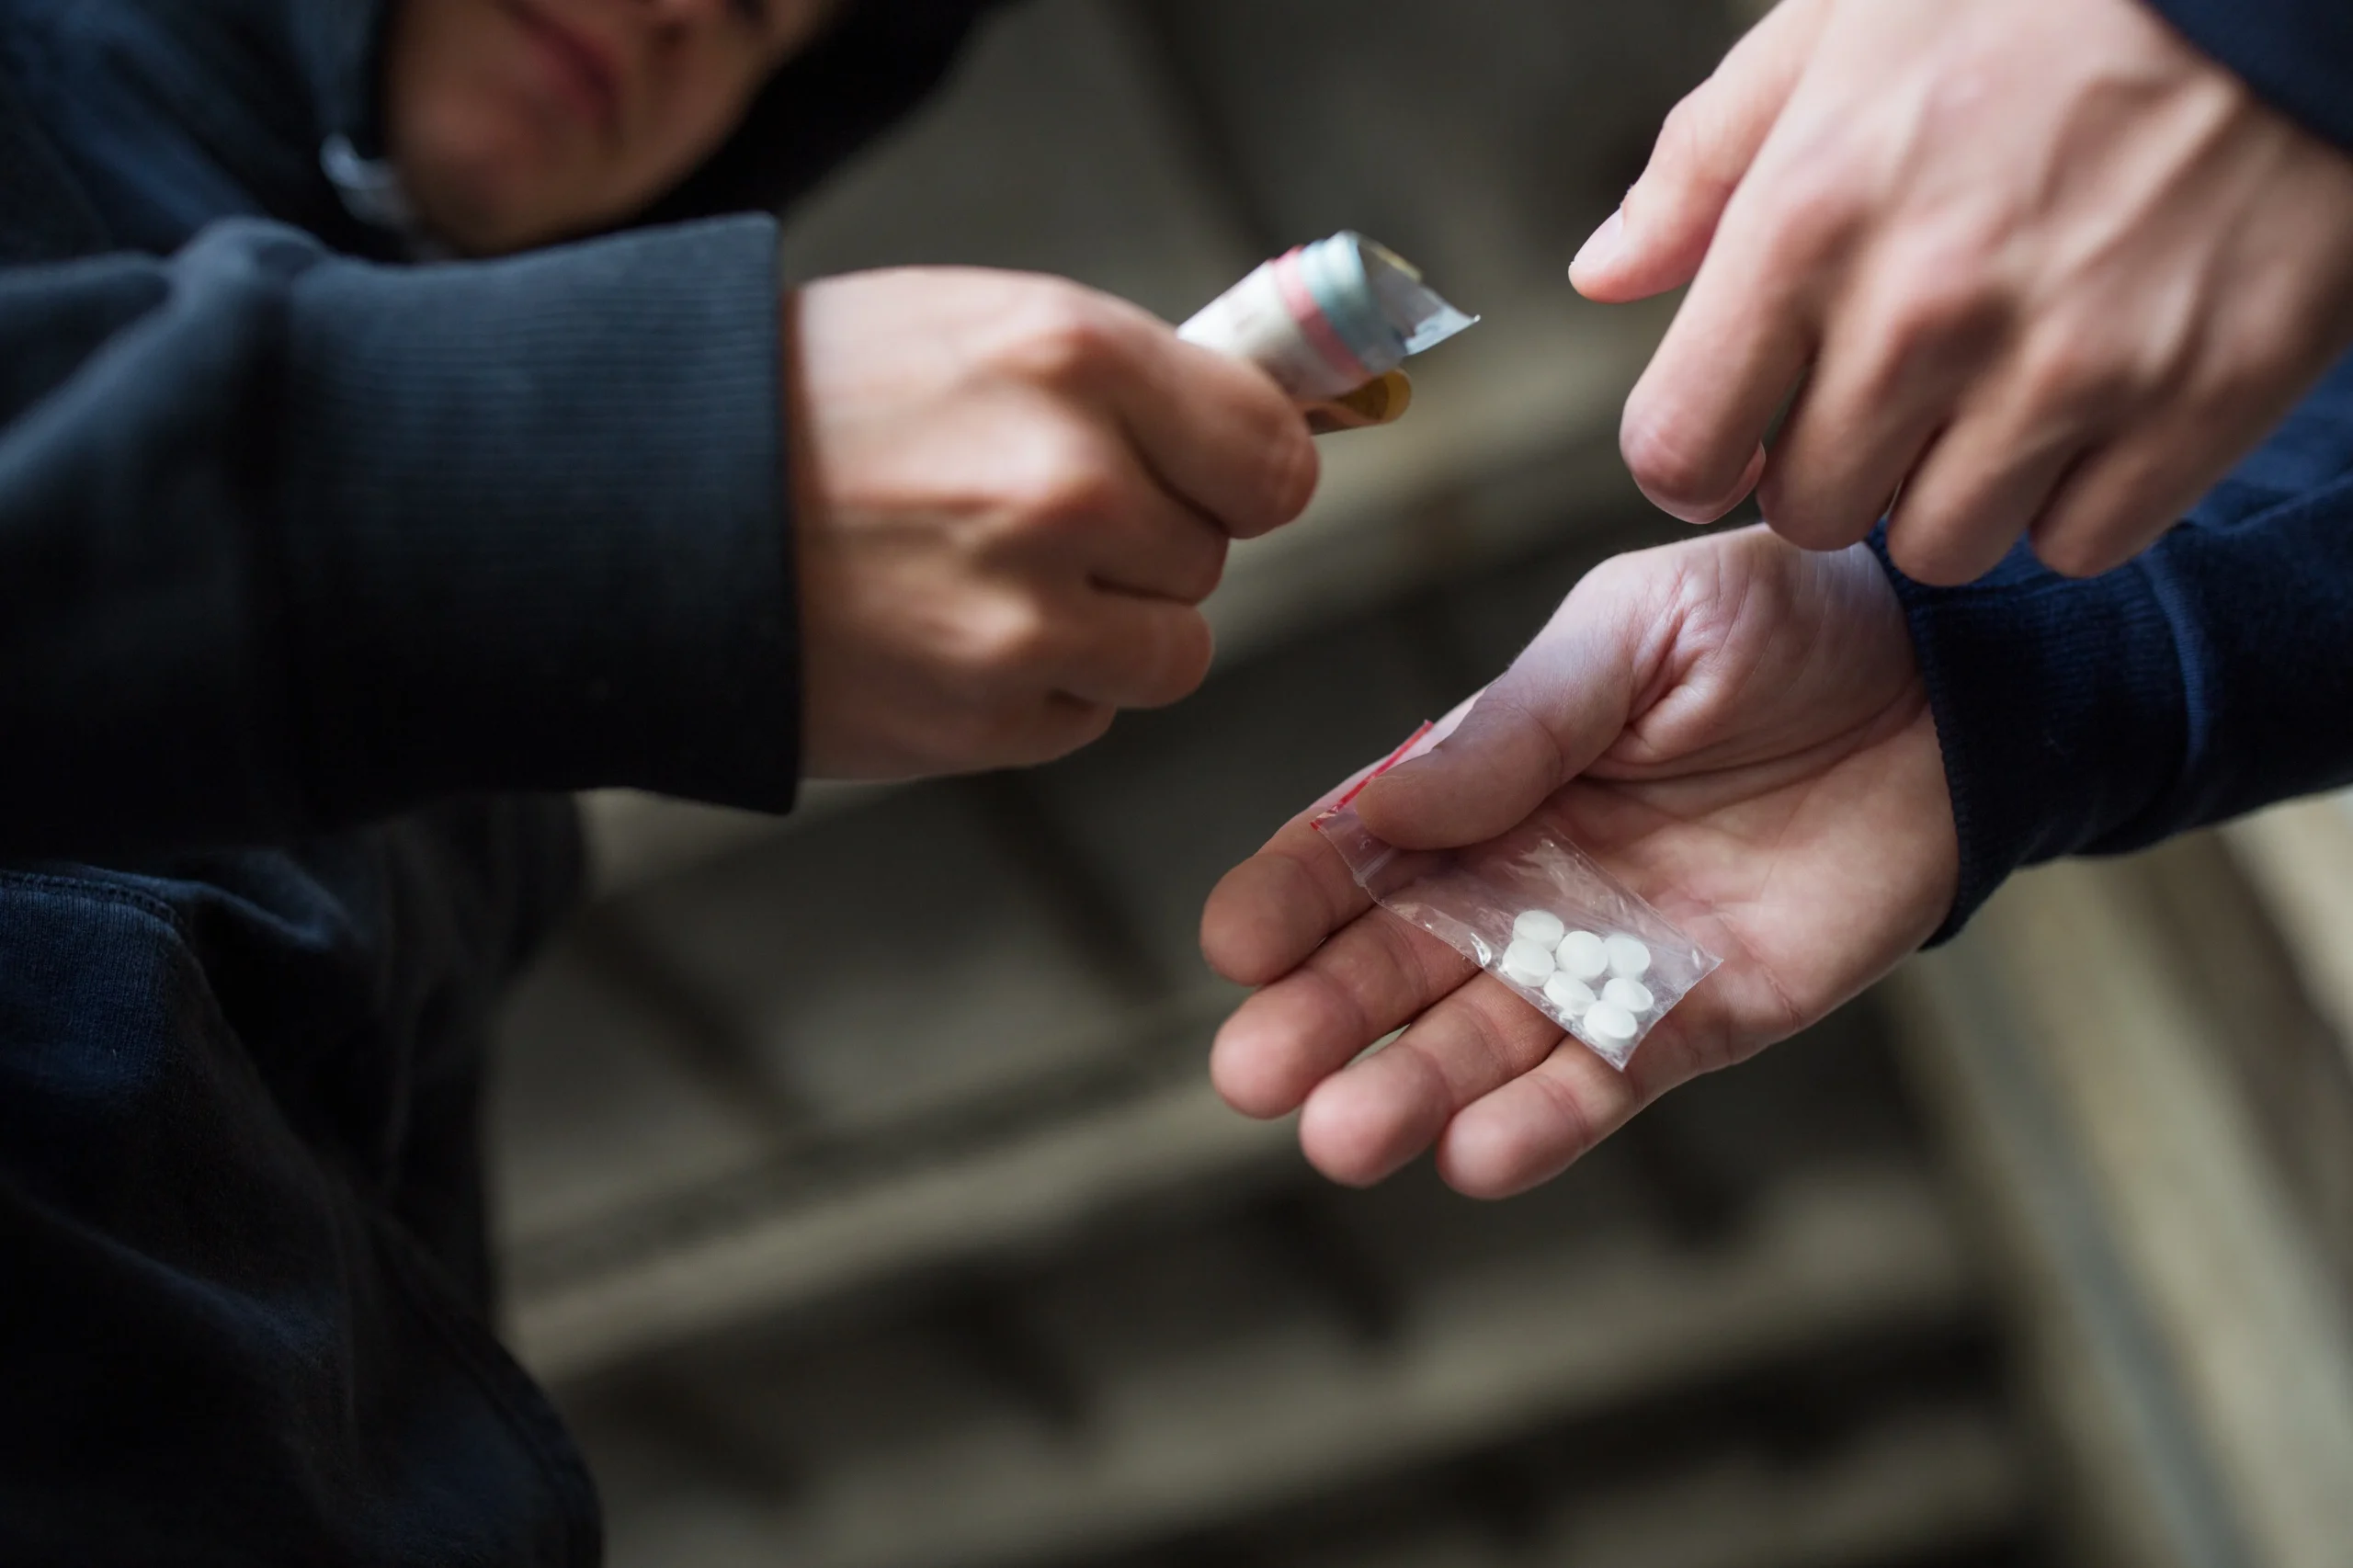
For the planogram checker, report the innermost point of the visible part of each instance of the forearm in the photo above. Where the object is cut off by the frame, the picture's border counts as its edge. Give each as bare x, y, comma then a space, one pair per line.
286, 541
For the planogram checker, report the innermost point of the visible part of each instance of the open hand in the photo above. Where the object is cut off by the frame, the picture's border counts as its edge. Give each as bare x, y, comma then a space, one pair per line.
1734, 727
2041, 267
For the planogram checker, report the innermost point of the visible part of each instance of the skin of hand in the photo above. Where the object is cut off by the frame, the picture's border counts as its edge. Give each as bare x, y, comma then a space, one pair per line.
517, 122
2032, 267
1738, 730
1011, 495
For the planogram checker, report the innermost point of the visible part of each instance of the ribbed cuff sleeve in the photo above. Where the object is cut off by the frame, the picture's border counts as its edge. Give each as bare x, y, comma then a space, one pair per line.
535, 529
2297, 53
2059, 707
2210, 677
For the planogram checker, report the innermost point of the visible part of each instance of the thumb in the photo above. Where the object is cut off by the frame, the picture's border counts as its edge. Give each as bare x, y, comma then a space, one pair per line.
1657, 238
1561, 705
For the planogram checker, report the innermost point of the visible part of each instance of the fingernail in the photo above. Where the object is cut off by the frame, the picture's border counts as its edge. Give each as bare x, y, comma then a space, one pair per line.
1607, 242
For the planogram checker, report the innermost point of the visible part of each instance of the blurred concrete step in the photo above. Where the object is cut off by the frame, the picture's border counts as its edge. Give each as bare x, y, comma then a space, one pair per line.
1042, 1161
1940, 1481
1180, 1431
2095, 1047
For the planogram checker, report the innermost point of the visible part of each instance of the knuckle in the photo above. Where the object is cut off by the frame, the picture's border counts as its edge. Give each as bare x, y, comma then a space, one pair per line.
1666, 459
1684, 136
2075, 374
1701, 140
1010, 640
1929, 553
1946, 304
1817, 207
1065, 476
1065, 338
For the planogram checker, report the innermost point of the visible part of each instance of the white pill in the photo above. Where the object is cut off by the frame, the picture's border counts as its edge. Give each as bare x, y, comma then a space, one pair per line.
1584, 955
1628, 956
1538, 926
1630, 995
1609, 1023
1528, 964
1569, 994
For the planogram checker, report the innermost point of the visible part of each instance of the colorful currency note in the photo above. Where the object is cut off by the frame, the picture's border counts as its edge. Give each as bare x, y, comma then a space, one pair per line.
1332, 322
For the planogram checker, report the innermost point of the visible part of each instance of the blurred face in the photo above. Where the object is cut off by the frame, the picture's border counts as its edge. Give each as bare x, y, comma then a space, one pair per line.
515, 122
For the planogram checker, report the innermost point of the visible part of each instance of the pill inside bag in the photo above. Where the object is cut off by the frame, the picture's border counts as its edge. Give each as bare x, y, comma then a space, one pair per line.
1544, 918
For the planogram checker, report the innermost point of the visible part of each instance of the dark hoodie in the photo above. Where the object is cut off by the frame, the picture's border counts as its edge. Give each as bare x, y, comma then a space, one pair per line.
289, 541
295, 539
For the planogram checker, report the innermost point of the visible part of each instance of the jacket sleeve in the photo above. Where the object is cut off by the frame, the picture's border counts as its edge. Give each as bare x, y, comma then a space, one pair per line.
2213, 676
2297, 53
287, 541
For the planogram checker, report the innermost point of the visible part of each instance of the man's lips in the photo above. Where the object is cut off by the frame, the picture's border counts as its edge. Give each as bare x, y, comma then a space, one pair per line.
583, 67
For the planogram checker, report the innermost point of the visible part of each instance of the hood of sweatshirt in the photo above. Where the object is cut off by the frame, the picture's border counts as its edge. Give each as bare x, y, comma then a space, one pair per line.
175, 113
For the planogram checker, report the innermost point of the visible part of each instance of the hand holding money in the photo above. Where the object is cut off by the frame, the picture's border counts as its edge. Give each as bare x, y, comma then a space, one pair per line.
1011, 494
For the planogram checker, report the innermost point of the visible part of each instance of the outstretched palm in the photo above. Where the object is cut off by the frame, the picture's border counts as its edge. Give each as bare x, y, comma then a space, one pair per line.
1739, 730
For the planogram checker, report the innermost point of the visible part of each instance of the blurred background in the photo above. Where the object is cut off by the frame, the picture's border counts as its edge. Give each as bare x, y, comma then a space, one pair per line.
861, 1193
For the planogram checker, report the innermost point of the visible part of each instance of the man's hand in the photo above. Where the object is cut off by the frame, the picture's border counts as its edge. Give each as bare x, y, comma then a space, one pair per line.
1734, 727
1011, 494
2041, 265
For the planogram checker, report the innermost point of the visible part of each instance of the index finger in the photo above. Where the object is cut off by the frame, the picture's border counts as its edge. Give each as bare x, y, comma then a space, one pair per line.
1660, 233
1694, 427
1216, 431
1693, 434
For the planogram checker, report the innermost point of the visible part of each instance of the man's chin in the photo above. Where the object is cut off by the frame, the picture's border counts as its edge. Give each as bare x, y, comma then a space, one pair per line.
484, 204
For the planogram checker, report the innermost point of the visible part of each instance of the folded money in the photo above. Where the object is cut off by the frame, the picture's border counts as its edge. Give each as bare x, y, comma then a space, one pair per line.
1332, 321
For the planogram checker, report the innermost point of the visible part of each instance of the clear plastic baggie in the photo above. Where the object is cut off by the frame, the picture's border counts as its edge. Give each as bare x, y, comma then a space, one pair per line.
1542, 917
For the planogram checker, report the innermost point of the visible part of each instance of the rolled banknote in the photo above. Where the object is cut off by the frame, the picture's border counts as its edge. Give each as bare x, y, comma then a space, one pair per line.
1332, 322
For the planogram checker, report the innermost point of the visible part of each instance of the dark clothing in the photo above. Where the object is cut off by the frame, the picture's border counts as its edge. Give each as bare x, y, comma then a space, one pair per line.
2211, 676
2215, 674
2297, 53
241, 1232
295, 542
290, 540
